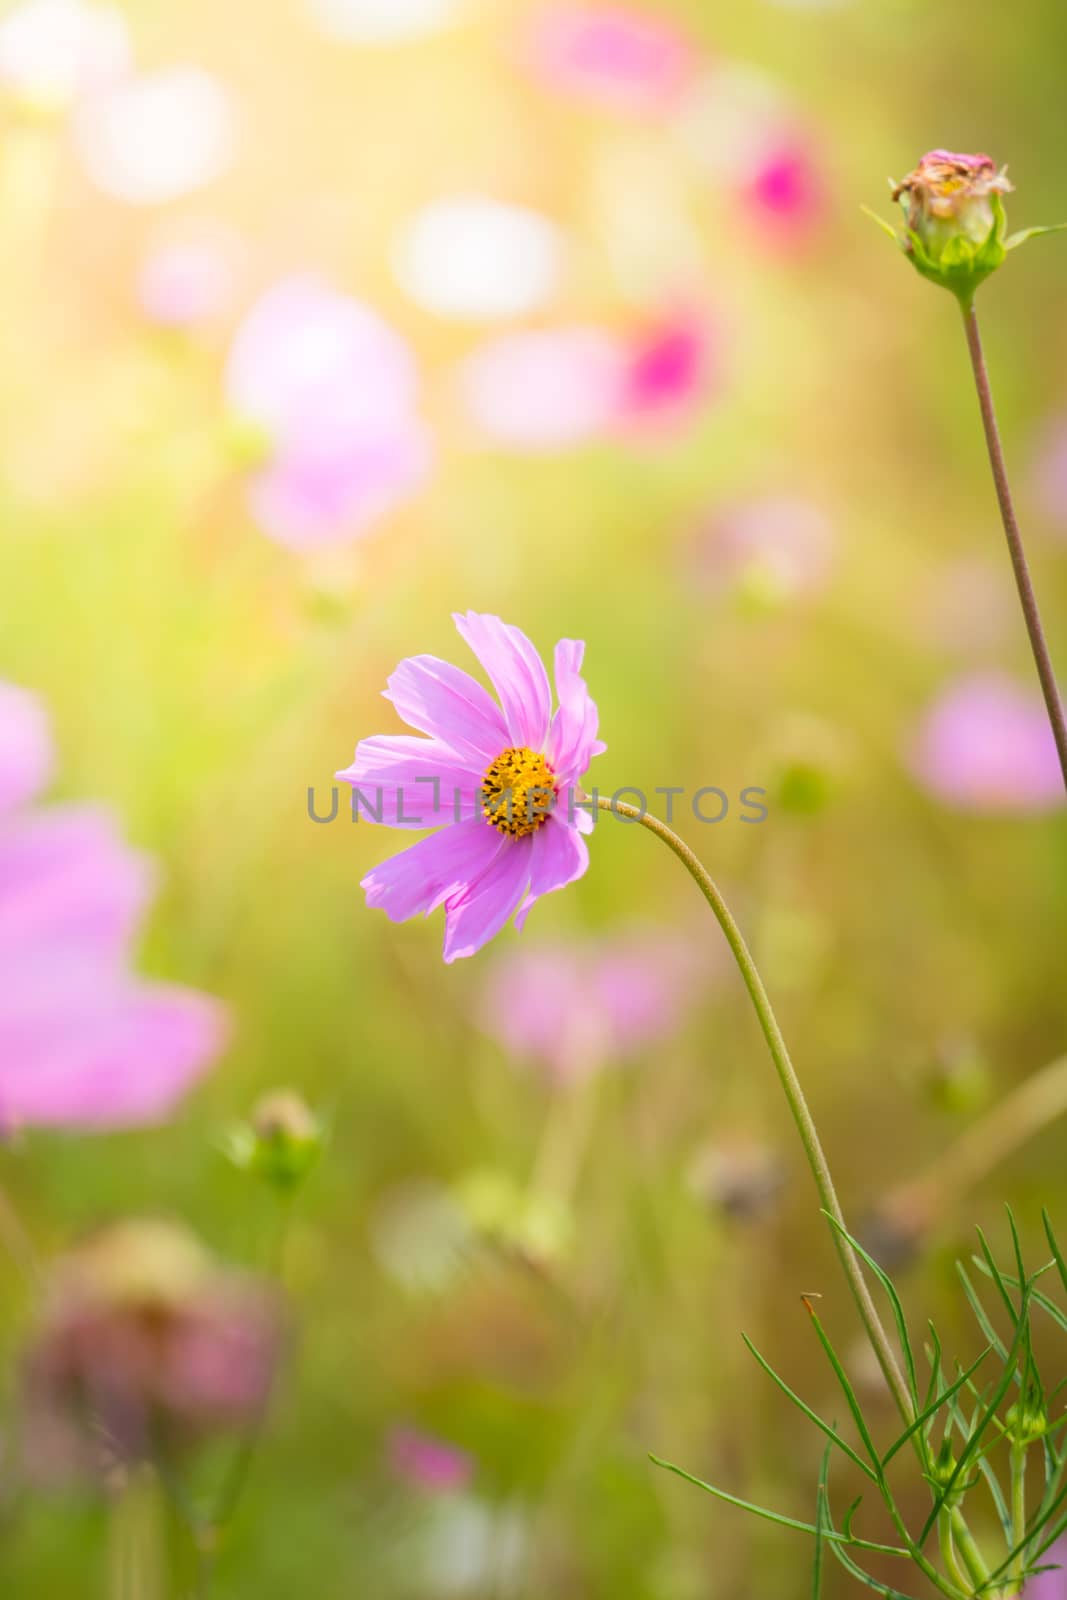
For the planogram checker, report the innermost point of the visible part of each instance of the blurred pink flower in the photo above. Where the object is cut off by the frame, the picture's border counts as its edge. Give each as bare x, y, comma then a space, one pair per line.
784, 191
781, 545
985, 745
333, 391
83, 1041
188, 279
1050, 1585
54, 51
669, 369
570, 1010
144, 1338
152, 139
496, 781
426, 1463
615, 56
1050, 472
544, 389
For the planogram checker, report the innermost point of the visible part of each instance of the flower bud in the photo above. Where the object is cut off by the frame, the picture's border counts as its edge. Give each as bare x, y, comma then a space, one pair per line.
281, 1141
144, 1343
955, 228
1027, 1421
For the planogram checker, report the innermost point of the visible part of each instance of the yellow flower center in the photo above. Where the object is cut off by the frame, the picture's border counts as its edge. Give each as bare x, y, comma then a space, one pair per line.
518, 792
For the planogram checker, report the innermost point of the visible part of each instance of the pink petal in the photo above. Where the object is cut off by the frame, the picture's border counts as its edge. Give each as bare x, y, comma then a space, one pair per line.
25, 747
66, 878
404, 782
616, 56
559, 857
124, 1061
447, 703
478, 913
421, 877
516, 672
573, 743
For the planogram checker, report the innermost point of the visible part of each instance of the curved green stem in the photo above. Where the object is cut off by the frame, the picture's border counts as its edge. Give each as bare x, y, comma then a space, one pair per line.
794, 1094
1020, 566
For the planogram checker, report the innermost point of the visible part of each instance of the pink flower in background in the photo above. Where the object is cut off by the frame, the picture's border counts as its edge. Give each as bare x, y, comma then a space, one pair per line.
1049, 474
985, 745
83, 1041
152, 139
544, 389
54, 51
188, 279
784, 191
781, 546
333, 391
1050, 1585
498, 782
615, 56
426, 1463
568, 1011
669, 369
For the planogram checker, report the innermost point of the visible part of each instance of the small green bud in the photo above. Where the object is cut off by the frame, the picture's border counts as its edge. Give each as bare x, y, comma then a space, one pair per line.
281, 1141
1027, 1421
955, 228
943, 1469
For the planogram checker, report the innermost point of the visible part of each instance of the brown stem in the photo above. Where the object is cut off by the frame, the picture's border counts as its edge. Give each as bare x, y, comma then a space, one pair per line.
1023, 581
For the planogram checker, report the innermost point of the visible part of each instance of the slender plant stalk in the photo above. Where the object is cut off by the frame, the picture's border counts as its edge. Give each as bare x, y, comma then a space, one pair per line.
1020, 566
1018, 1510
794, 1094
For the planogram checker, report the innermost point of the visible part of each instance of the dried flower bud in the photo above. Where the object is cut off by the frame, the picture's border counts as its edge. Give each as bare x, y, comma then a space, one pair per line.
144, 1342
281, 1141
955, 227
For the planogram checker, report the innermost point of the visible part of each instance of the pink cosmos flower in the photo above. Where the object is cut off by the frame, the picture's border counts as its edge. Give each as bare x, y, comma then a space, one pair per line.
498, 782
571, 1011
83, 1041
669, 368
333, 390
985, 745
784, 192
613, 55
427, 1463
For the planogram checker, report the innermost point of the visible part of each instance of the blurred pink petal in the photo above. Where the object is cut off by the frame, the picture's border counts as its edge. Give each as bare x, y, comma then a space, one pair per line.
83, 1043
784, 193
152, 139
545, 389
334, 390
568, 1010
1050, 1585
54, 51
25, 747
984, 745
616, 56
428, 1463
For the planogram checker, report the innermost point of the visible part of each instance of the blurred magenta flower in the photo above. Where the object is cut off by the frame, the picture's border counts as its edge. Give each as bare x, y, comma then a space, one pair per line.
144, 1344
332, 390
984, 745
498, 782
83, 1041
544, 389
618, 57
154, 138
52, 52
772, 549
571, 1010
668, 370
784, 191
187, 279
383, 21
427, 1463
477, 259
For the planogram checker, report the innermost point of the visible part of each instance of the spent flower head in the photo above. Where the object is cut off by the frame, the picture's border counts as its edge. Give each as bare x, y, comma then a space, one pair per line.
281, 1141
955, 228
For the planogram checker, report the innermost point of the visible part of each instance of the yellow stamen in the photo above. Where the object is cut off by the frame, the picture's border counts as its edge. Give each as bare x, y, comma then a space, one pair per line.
518, 792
